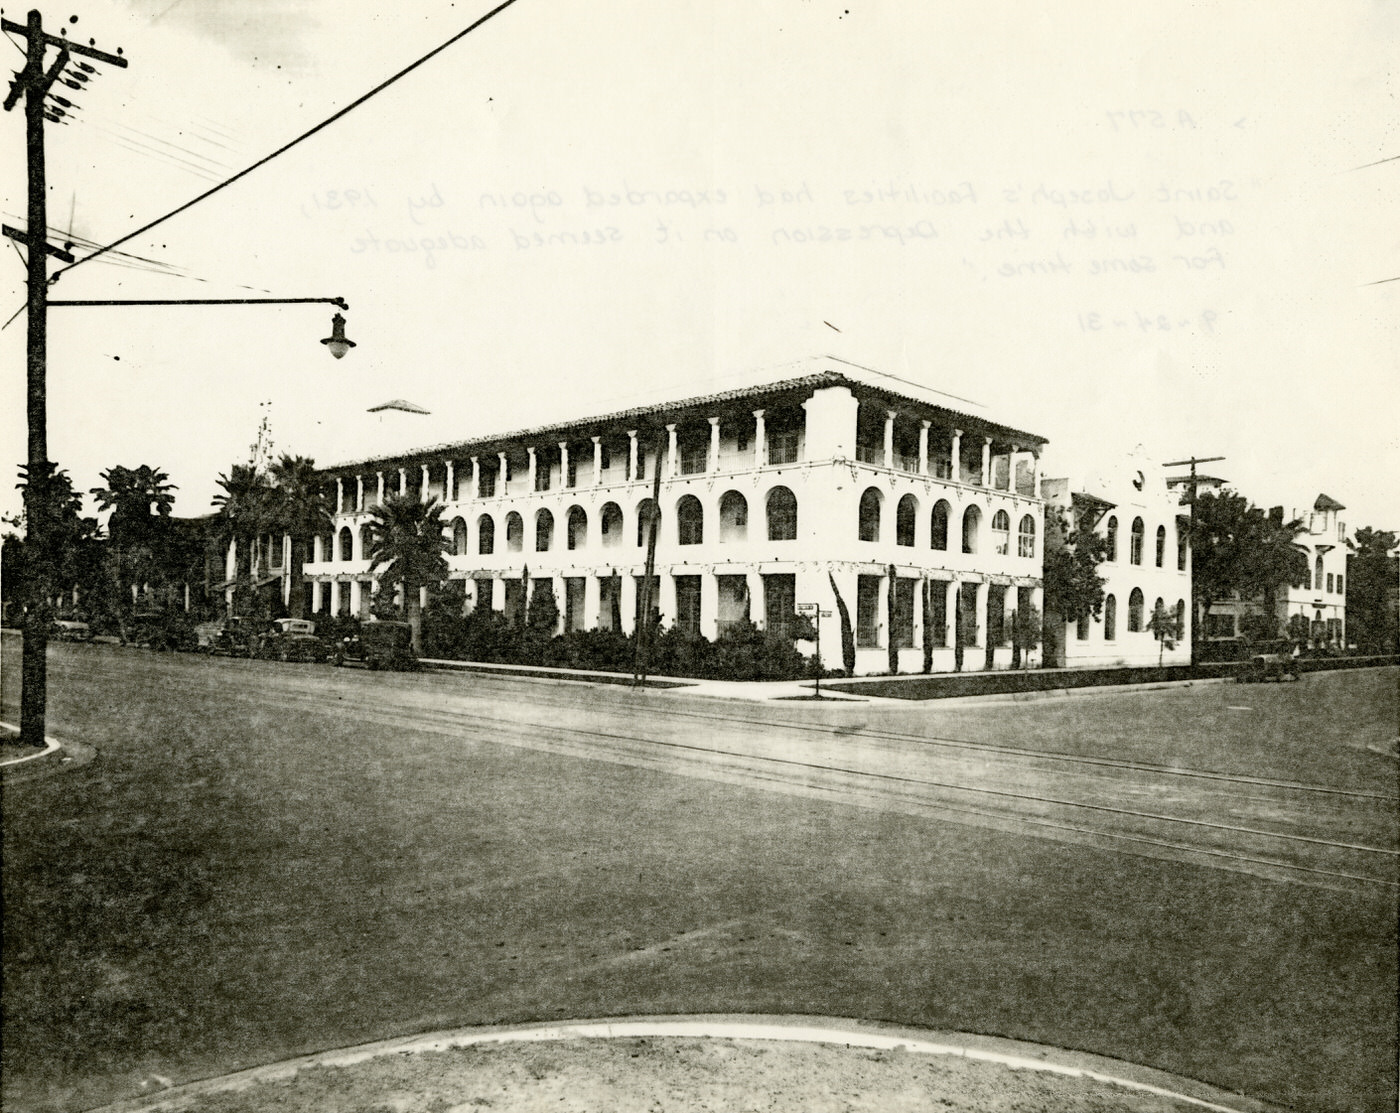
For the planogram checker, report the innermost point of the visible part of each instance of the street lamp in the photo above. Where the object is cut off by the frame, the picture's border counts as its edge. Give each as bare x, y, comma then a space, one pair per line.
337, 341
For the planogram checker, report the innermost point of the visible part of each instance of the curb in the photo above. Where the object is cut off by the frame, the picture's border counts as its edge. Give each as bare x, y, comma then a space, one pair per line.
1017, 1055
51, 745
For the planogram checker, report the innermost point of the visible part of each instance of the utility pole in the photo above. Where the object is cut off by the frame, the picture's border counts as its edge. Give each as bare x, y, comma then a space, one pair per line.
35, 82
641, 653
1191, 541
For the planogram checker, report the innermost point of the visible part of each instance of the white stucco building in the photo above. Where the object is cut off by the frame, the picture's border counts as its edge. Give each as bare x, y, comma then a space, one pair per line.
1311, 610
768, 493
1148, 565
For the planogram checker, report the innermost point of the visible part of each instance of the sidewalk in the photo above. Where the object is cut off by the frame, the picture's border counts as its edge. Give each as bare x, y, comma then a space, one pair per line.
684, 1063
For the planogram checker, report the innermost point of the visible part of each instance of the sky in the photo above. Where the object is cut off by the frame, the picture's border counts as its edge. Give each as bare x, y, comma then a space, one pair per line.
1109, 225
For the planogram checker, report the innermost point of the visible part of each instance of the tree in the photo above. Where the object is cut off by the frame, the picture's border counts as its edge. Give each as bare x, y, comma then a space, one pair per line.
1073, 587
301, 505
1372, 584
893, 647
406, 547
1026, 625
1165, 627
138, 530
1238, 548
65, 553
848, 637
244, 509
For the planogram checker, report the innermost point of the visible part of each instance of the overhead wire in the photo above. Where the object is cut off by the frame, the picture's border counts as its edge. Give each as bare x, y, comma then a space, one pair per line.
289, 145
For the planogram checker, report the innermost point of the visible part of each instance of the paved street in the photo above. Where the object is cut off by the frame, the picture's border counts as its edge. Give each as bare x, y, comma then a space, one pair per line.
263, 859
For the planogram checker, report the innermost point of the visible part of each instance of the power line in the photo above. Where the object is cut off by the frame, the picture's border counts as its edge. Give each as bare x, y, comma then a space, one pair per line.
288, 146
1378, 162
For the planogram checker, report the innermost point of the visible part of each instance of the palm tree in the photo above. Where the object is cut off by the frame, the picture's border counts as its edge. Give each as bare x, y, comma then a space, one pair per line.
303, 508
140, 500
243, 508
407, 543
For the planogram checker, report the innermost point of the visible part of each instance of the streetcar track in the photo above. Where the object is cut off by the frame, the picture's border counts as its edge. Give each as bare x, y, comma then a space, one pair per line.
886, 735
635, 748
883, 734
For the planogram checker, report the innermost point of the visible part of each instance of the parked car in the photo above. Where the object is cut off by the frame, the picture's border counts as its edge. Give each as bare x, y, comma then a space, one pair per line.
380, 645
292, 639
237, 636
71, 630
161, 630
1270, 661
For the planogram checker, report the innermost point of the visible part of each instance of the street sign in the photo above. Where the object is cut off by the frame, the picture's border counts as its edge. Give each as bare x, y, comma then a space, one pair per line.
808, 609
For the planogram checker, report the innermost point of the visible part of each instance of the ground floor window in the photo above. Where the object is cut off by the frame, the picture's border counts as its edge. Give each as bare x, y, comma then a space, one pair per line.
647, 603
485, 594
688, 605
966, 616
902, 621
610, 603
936, 624
733, 602
996, 614
779, 603
574, 617
515, 602
868, 610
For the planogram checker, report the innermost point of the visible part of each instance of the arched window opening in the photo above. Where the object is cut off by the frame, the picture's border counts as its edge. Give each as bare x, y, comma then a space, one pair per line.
1317, 575
904, 517
782, 515
690, 521
648, 514
972, 521
1001, 532
1161, 545
459, 537
870, 515
485, 534
347, 544
544, 531
1135, 544
1180, 619
1135, 611
733, 517
1110, 536
1110, 618
1025, 537
1181, 539
515, 532
938, 526
577, 528
610, 524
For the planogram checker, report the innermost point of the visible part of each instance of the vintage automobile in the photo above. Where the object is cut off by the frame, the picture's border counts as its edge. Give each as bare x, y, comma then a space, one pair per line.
71, 630
160, 630
237, 636
1269, 661
380, 645
292, 639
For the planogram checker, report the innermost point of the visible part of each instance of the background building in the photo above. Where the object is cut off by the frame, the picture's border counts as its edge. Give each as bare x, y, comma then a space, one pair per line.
1147, 566
1311, 610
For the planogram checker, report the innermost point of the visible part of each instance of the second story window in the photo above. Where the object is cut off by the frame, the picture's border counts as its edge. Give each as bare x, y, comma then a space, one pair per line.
782, 447
693, 459
1001, 532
